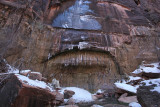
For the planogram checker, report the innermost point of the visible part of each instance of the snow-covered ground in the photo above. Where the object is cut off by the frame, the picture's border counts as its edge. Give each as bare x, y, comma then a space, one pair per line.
142, 68
80, 95
128, 87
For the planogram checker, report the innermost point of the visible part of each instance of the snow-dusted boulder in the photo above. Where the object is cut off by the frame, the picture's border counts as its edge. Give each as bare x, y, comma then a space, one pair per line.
80, 95
148, 70
148, 98
20, 91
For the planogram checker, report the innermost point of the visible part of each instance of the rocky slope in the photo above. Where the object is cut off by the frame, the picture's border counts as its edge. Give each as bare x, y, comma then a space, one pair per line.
104, 39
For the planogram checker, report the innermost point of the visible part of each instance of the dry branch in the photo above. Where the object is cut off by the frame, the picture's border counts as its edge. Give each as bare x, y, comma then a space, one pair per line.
13, 4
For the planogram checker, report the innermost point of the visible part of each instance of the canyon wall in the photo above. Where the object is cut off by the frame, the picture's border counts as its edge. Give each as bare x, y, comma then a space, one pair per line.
83, 43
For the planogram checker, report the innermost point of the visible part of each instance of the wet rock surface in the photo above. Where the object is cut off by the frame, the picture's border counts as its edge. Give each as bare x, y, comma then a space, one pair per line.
148, 98
78, 16
129, 34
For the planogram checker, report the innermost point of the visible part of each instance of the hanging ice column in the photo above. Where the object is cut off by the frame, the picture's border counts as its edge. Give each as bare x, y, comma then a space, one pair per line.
78, 16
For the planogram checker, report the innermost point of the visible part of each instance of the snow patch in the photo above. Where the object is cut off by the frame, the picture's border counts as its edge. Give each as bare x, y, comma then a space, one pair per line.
100, 91
25, 71
127, 87
12, 69
142, 68
152, 69
134, 104
134, 78
34, 83
151, 82
49, 56
80, 95
82, 45
95, 105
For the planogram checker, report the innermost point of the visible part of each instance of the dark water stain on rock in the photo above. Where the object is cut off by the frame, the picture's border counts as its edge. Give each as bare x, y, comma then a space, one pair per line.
78, 16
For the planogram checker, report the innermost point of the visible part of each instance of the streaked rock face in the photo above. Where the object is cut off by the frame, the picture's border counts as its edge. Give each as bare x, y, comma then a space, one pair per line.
78, 16
95, 42
87, 69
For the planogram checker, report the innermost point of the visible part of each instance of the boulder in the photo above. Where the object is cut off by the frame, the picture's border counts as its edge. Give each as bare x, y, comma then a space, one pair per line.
17, 94
109, 90
151, 75
35, 76
147, 98
71, 101
94, 97
59, 98
68, 94
123, 98
99, 96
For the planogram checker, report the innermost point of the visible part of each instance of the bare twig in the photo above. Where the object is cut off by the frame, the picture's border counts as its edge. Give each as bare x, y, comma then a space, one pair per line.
13, 4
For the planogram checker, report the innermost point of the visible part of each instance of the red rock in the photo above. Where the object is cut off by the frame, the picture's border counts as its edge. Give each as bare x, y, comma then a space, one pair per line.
44, 79
150, 75
16, 94
71, 101
59, 98
35, 76
99, 96
68, 94
94, 97
128, 36
128, 99
147, 65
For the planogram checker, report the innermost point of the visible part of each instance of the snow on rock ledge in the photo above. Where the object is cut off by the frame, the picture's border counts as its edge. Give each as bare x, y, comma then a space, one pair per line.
80, 95
151, 82
34, 83
126, 87
144, 68
148, 69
